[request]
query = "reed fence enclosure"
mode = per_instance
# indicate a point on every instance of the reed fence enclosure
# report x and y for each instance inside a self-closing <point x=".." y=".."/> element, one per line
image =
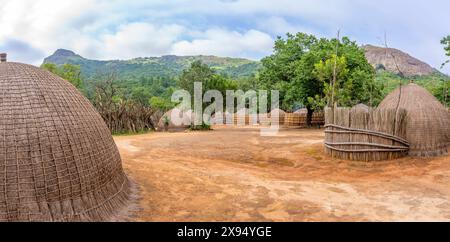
<point x="292" y="120"/>
<point x="366" y="135"/>
<point x="128" y="118"/>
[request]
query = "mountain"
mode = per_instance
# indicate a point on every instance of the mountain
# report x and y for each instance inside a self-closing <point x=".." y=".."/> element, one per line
<point x="388" y="59"/>
<point x="169" y="65"/>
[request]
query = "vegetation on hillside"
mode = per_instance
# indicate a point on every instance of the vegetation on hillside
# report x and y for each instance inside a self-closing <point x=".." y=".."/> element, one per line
<point x="309" y="72"/>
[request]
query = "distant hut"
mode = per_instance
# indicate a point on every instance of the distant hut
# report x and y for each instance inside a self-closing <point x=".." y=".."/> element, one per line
<point x="58" y="159"/>
<point x="281" y="116"/>
<point x="302" y="111"/>
<point x="220" y="118"/>
<point x="183" y="120"/>
<point x="427" y="121"/>
<point x="361" y="107"/>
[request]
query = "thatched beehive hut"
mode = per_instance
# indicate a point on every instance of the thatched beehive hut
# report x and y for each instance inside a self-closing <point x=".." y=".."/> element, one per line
<point x="302" y="111"/>
<point x="58" y="161"/>
<point x="281" y="114"/>
<point x="361" y="108"/>
<point x="427" y="121"/>
<point x="183" y="122"/>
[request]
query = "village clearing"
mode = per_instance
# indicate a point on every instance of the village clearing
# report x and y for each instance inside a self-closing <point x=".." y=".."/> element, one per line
<point x="234" y="174"/>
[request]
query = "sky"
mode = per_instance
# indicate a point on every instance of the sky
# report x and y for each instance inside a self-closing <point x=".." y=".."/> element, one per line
<point x="30" y="30"/>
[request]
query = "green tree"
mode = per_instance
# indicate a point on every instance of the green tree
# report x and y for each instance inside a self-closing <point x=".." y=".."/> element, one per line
<point x="446" y="42"/>
<point x="71" y="73"/>
<point x="199" y="72"/>
<point x="441" y="92"/>
<point x="300" y="68"/>
<point x="324" y="71"/>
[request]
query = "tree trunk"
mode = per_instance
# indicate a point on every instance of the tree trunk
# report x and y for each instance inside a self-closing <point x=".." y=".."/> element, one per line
<point x="309" y="117"/>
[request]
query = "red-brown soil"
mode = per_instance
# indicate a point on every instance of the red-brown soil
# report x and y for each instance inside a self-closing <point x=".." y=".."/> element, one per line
<point x="234" y="174"/>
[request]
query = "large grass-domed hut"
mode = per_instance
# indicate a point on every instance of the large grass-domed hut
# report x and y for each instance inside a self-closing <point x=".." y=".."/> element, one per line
<point x="58" y="160"/>
<point x="427" y="121"/>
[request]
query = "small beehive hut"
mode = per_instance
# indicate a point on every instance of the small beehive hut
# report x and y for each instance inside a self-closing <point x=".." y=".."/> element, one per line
<point x="427" y="121"/>
<point x="245" y="117"/>
<point x="277" y="116"/>
<point x="302" y="111"/>
<point x="184" y="119"/>
<point x="361" y="108"/>
<point x="58" y="161"/>
<point x="299" y="118"/>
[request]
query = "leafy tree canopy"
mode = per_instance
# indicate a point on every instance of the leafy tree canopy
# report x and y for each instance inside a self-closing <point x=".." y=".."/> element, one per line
<point x="301" y="68"/>
<point x="71" y="73"/>
<point x="446" y="42"/>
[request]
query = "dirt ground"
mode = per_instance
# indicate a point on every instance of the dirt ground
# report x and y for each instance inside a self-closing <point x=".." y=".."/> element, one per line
<point x="234" y="174"/>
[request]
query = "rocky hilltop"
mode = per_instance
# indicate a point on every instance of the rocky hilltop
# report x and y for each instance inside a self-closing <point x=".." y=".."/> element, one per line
<point x="381" y="58"/>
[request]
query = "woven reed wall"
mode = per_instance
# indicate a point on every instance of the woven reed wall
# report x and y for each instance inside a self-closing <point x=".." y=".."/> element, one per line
<point x="299" y="119"/>
<point x="245" y="120"/>
<point x="58" y="161"/>
<point x="365" y="135"/>
<point x="285" y="119"/>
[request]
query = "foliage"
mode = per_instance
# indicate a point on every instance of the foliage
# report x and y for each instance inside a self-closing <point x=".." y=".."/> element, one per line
<point x="446" y="42"/>
<point x="301" y="68"/>
<point x="210" y="80"/>
<point x="324" y="70"/>
<point x="441" y="92"/>
<point x="203" y="127"/>
<point x="434" y="83"/>
<point x="71" y="73"/>
<point x="121" y="114"/>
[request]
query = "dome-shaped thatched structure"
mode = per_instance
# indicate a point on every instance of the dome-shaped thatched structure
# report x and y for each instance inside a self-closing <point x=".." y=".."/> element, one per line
<point x="427" y="124"/>
<point x="281" y="116"/>
<point x="58" y="161"/>
<point x="302" y="111"/>
<point x="360" y="108"/>
<point x="183" y="122"/>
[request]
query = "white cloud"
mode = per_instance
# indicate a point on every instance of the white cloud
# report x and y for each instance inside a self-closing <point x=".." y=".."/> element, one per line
<point x="139" y="39"/>
<point x="227" y="43"/>
<point x="111" y="29"/>
<point x="279" y="26"/>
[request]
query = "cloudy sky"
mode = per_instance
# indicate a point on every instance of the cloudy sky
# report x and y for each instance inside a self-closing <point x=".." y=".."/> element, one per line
<point x="123" y="29"/>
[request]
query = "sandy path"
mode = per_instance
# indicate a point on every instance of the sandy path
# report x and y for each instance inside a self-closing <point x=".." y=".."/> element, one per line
<point x="237" y="175"/>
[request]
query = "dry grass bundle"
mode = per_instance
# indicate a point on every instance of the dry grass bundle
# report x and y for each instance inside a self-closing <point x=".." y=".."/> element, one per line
<point x="428" y="122"/>
<point x="58" y="161"/>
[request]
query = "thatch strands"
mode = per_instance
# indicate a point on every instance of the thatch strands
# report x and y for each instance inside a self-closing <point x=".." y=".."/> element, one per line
<point x="365" y="135"/>
<point x="58" y="161"/>
<point x="427" y="121"/>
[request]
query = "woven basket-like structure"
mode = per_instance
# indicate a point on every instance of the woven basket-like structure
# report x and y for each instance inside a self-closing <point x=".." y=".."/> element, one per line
<point x="427" y="124"/>
<point x="58" y="161"/>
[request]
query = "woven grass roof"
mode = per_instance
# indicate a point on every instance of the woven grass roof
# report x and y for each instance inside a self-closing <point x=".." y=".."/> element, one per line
<point x="58" y="161"/>
<point x="428" y="123"/>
